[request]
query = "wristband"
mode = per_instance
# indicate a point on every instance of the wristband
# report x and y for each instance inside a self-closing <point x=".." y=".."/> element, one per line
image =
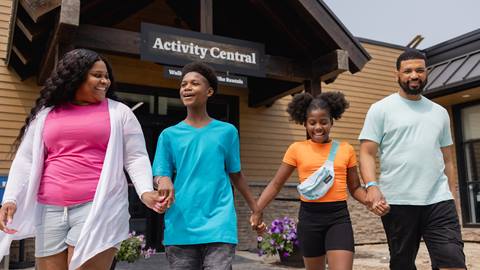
<point x="371" y="184"/>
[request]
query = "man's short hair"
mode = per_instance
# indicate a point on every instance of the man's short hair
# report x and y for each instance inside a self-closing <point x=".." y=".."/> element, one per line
<point x="205" y="70"/>
<point x="410" y="54"/>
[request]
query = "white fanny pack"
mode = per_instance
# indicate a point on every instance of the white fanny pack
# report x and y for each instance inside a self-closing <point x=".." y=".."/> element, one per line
<point x="318" y="183"/>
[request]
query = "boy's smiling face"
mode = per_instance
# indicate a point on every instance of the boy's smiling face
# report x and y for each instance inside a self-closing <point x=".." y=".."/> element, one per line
<point x="195" y="90"/>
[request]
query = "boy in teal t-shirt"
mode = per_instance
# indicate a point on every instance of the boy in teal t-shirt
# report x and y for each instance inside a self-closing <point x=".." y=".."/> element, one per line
<point x="204" y="155"/>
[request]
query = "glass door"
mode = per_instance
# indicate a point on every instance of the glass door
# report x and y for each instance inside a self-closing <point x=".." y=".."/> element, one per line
<point x="471" y="148"/>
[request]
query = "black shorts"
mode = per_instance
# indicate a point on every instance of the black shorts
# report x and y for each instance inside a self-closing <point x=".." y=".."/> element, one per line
<point x="323" y="227"/>
<point x="437" y="223"/>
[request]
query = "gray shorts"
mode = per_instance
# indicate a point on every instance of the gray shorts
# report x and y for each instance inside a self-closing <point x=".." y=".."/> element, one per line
<point x="211" y="256"/>
<point x="59" y="227"/>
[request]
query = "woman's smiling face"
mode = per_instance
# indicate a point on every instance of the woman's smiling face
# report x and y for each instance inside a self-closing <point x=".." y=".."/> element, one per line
<point x="95" y="86"/>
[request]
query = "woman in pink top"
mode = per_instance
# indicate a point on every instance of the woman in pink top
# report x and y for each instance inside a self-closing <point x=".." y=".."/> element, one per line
<point x="67" y="185"/>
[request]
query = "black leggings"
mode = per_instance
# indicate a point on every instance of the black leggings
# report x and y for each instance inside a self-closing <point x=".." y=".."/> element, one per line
<point x="323" y="227"/>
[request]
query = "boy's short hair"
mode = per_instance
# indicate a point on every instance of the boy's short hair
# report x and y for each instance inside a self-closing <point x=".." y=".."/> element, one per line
<point x="410" y="54"/>
<point x="204" y="70"/>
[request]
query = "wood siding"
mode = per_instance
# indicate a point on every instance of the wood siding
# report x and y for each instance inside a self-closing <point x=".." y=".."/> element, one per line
<point x="16" y="97"/>
<point x="266" y="133"/>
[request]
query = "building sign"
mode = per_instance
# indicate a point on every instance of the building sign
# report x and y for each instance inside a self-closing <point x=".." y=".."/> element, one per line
<point x="175" y="46"/>
<point x="225" y="79"/>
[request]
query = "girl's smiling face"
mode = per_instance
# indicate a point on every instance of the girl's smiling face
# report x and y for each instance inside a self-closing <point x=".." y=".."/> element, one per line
<point x="318" y="125"/>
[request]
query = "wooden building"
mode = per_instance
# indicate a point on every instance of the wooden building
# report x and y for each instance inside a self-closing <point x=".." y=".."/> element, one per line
<point x="264" y="52"/>
<point x="302" y="46"/>
<point x="454" y="82"/>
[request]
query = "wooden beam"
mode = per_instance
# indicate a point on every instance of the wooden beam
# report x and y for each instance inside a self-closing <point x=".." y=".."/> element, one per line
<point x="284" y="68"/>
<point x="61" y="39"/>
<point x="325" y="19"/>
<point x="23" y="71"/>
<point x="37" y="9"/>
<point x="128" y="43"/>
<point x="313" y="86"/>
<point x="206" y="16"/>
<point x="280" y="23"/>
<point x="264" y="92"/>
<point x="108" y="39"/>
<point x="110" y="12"/>
<point x="23" y="58"/>
<point x="329" y="66"/>
<point x="31" y="31"/>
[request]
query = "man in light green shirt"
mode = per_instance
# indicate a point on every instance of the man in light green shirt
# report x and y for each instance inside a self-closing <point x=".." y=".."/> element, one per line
<point x="416" y="172"/>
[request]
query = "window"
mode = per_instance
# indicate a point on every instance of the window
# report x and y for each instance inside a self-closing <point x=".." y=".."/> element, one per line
<point x="471" y="154"/>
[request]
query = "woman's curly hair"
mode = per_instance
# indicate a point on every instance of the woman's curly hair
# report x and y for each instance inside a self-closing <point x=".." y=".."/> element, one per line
<point x="64" y="81"/>
<point x="303" y="103"/>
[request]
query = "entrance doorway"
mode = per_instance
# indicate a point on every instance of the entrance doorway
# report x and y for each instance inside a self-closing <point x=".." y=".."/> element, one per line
<point x="162" y="108"/>
<point x="469" y="173"/>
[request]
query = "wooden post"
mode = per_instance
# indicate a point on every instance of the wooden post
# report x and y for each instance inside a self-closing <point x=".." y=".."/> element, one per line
<point x="313" y="86"/>
<point x="62" y="38"/>
<point x="206" y="16"/>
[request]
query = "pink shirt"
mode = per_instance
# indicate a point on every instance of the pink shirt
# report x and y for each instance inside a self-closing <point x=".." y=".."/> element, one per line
<point x="76" y="139"/>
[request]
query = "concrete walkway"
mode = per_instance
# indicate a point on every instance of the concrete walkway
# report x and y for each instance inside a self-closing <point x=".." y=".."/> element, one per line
<point x="243" y="260"/>
<point x="367" y="257"/>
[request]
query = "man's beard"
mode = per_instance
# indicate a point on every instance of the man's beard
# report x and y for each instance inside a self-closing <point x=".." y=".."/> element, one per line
<point x="412" y="91"/>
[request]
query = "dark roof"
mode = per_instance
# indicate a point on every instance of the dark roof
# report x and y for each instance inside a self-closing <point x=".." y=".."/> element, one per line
<point x="453" y="47"/>
<point x="453" y="65"/>
<point x="454" y="75"/>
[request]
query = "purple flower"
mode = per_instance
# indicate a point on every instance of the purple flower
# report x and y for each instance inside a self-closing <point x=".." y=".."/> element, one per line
<point x="281" y="236"/>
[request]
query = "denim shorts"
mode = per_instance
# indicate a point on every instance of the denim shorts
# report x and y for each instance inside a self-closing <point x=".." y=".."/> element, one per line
<point x="59" y="227"/>
<point x="211" y="256"/>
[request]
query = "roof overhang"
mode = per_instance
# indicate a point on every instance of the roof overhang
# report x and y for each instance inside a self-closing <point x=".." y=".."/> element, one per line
<point x="305" y="43"/>
<point x="454" y="65"/>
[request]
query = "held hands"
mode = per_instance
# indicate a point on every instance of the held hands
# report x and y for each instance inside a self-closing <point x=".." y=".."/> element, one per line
<point x="166" y="191"/>
<point x="381" y="209"/>
<point x="6" y="216"/>
<point x="376" y="202"/>
<point x="257" y="223"/>
<point x="153" y="200"/>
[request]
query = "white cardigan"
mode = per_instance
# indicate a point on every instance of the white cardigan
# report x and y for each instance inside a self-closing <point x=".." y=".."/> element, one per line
<point x="108" y="221"/>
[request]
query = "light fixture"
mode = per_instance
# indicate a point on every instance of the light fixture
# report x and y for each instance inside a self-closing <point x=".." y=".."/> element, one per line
<point x="466" y="96"/>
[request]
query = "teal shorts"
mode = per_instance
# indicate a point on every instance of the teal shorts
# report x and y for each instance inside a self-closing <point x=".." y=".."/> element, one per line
<point x="59" y="227"/>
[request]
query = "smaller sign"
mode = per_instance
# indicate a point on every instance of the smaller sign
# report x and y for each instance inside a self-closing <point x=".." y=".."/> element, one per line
<point x="223" y="78"/>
